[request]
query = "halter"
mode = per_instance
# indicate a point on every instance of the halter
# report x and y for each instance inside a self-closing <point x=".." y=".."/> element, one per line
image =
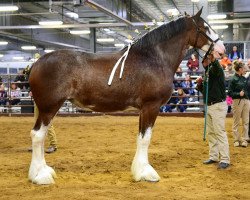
<point x="198" y="32"/>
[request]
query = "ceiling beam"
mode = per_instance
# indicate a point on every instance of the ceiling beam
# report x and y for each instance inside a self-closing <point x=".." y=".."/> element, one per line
<point x="108" y="12"/>
<point x="231" y="21"/>
<point x="64" y="26"/>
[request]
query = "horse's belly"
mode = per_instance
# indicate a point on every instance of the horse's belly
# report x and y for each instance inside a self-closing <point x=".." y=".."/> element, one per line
<point x="102" y="106"/>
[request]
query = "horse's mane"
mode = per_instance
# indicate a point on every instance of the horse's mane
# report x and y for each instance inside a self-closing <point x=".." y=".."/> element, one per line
<point x="161" y="33"/>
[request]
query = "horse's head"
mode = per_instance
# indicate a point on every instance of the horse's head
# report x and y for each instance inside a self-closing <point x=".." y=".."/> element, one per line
<point x="204" y="37"/>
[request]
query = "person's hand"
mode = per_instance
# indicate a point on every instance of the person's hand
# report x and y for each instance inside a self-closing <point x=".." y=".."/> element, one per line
<point x="242" y="93"/>
<point x="199" y="80"/>
<point x="216" y="55"/>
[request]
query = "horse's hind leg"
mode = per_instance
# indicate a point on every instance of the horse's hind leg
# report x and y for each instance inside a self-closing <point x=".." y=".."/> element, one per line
<point x="141" y="169"/>
<point x="40" y="172"/>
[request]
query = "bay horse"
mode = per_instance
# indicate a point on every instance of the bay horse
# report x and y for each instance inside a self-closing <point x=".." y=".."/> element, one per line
<point x="82" y="78"/>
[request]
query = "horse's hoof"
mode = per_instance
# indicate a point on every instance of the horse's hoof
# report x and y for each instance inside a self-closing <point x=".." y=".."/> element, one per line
<point x="146" y="173"/>
<point x="44" y="176"/>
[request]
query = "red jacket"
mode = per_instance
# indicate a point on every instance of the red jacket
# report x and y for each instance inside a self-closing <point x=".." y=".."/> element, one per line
<point x="193" y="64"/>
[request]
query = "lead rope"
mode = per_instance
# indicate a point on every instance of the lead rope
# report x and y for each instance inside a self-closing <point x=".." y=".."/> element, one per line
<point x="125" y="55"/>
<point x="205" y="126"/>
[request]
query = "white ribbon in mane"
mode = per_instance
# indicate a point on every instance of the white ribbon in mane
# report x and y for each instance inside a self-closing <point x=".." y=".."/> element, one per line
<point x="125" y="55"/>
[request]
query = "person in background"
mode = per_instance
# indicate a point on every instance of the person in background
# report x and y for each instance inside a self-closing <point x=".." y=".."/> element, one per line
<point x="20" y="79"/>
<point x="225" y="61"/>
<point x="181" y="101"/>
<point x="235" y="54"/>
<point x="188" y="85"/>
<point x="171" y="104"/>
<point x="15" y="95"/>
<point x="179" y="72"/>
<point x="229" y="101"/>
<point x="3" y="95"/>
<point x="193" y="64"/>
<point x="238" y="91"/>
<point x="216" y="112"/>
<point x="248" y="92"/>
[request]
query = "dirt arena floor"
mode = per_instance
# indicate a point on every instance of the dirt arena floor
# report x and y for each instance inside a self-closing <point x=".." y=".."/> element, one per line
<point x="95" y="154"/>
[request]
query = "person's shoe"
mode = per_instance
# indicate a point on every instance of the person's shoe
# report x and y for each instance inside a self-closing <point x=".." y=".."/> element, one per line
<point x="244" y="144"/>
<point x="223" y="165"/>
<point x="236" y="144"/>
<point x="51" y="149"/>
<point x="209" y="161"/>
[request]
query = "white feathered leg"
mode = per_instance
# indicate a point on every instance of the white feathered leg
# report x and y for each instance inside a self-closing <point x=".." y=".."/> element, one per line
<point x="39" y="172"/>
<point x="141" y="169"/>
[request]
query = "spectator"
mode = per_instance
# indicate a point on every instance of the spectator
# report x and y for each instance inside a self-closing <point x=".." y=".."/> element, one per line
<point x="248" y="92"/>
<point x="181" y="101"/>
<point x="235" y="54"/>
<point x="188" y="85"/>
<point x="229" y="101"/>
<point x="179" y="72"/>
<point x="225" y="61"/>
<point x="193" y="64"/>
<point x="171" y="104"/>
<point x="15" y="93"/>
<point x="19" y="79"/>
<point x="238" y="91"/>
<point x="178" y="83"/>
<point x="3" y="95"/>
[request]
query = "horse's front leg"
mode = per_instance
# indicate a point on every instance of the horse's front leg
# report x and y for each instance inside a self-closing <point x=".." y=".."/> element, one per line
<point x="141" y="169"/>
<point x="40" y="172"/>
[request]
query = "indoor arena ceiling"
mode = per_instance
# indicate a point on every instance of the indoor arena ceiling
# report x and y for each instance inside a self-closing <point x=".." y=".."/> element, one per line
<point x="114" y="19"/>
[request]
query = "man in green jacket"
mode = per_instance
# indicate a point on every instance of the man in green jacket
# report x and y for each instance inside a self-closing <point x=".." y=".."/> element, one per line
<point x="216" y="113"/>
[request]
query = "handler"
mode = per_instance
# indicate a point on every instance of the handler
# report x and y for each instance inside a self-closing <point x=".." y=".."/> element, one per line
<point x="216" y="112"/>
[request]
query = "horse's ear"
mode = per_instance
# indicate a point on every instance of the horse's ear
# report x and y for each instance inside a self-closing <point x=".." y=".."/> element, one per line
<point x="198" y="14"/>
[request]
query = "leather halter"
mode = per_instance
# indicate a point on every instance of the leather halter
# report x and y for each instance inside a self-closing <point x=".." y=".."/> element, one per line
<point x="198" y="32"/>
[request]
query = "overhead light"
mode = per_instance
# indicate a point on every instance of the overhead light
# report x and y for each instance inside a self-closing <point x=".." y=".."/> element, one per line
<point x="173" y="12"/>
<point x="195" y="1"/>
<point x="47" y="23"/>
<point x="28" y="47"/>
<point x="105" y="40"/>
<point x="8" y="8"/>
<point x="48" y="50"/>
<point x="216" y="27"/>
<point x="107" y="30"/>
<point x="79" y="32"/>
<point x="119" y="45"/>
<point x="3" y="43"/>
<point x="18" y="58"/>
<point x="128" y="41"/>
<point x="213" y="0"/>
<point x="72" y="15"/>
<point x="160" y="23"/>
<point x="217" y="16"/>
<point x="1" y="55"/>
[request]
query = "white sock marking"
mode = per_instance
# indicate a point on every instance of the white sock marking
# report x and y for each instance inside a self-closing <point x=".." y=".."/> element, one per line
<point x="141" y="169"/>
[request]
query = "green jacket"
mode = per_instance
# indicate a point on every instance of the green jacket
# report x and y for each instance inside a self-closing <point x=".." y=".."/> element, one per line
<point x="216" y="83"/>
<point x="236" y="85"/>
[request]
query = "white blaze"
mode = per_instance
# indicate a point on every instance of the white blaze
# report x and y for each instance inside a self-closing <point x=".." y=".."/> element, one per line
<point x="218" y="46"/>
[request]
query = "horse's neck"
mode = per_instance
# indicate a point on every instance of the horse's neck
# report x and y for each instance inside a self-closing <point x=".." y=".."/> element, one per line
<point x="173" y="52"/>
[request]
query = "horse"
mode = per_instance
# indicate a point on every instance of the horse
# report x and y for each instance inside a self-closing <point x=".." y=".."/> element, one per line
<point x="146" y="84"/>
